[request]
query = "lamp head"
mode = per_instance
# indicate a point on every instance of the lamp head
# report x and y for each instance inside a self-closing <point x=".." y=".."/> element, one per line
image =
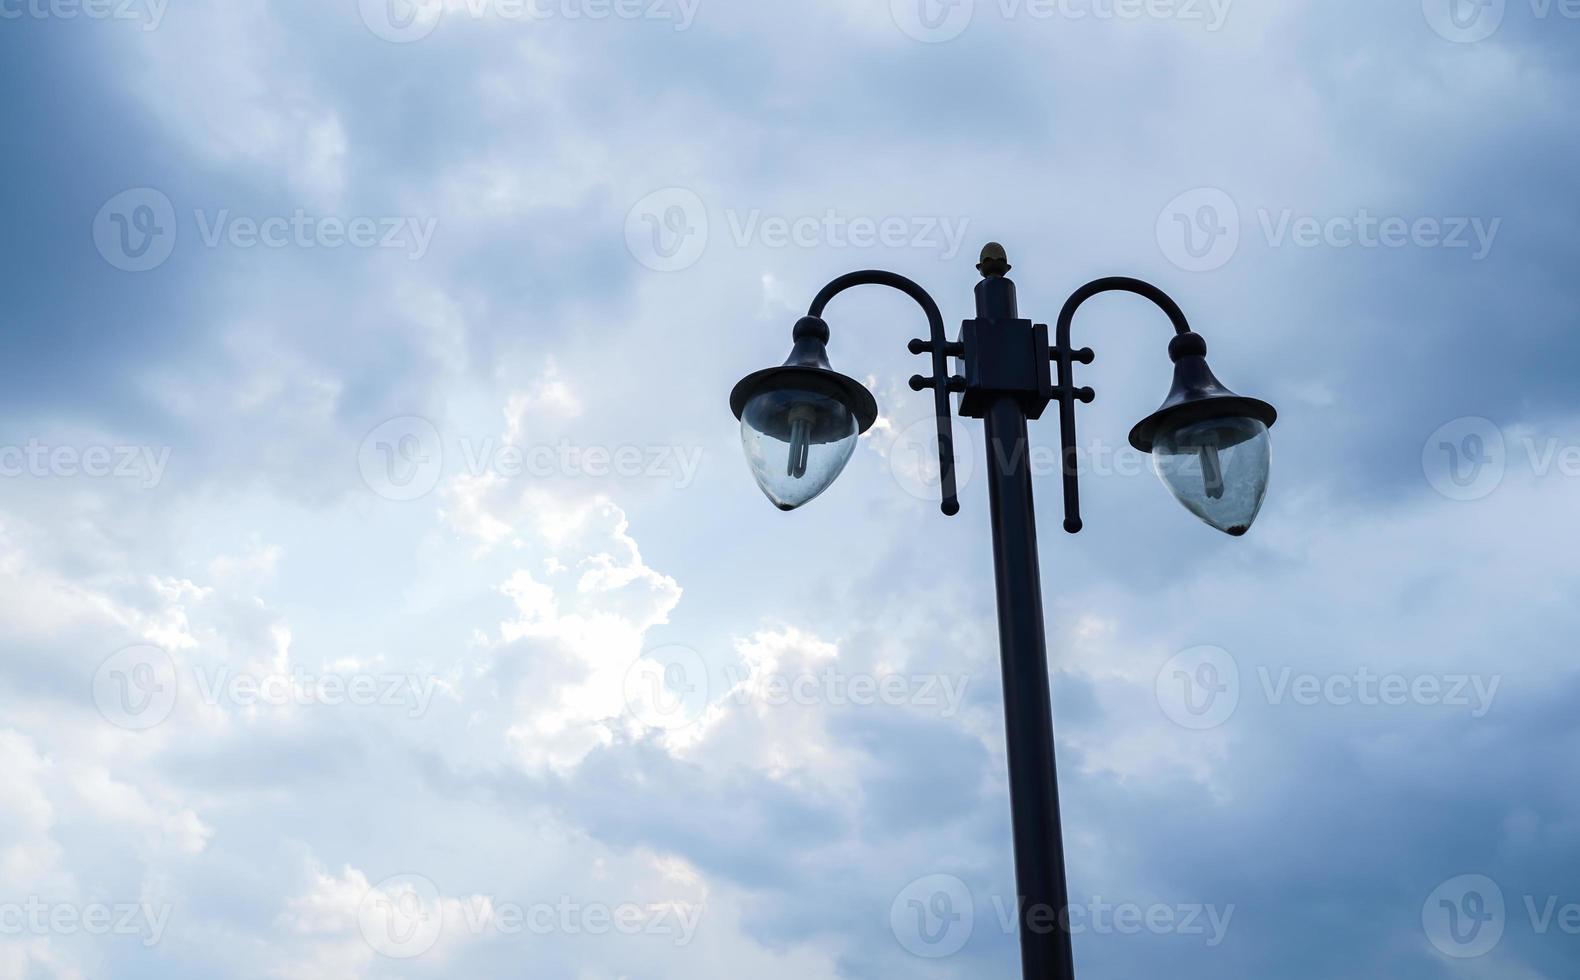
<point x="800" y="421"/>
<point x="1209" y="445"/>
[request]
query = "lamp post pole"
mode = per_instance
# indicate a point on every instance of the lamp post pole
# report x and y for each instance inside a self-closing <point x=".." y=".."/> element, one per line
<point x="1043" y="915"/>
<point x="800" y="422"/>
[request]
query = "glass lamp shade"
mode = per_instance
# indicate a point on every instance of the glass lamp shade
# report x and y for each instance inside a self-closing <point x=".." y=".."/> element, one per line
<point x="1209" y="445"/>
<point x="796" y="443"/>
<point x="800" y="421"/>
<point x="1217" y="468"/>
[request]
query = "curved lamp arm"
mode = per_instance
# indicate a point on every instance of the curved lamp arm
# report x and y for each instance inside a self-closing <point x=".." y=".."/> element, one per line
<point x="1065" y="355"/>
<point x="939" y="346"/>
<point x="1119" y="284"/>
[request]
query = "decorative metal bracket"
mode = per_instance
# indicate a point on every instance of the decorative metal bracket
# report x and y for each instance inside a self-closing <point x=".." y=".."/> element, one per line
<point x="1066" y="357"/>
<point x="939" y="346"/>
<point x="1006" y="356"/>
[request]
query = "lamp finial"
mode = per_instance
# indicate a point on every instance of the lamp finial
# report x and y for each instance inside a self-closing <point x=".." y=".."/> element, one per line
<point x="994" y="262"/>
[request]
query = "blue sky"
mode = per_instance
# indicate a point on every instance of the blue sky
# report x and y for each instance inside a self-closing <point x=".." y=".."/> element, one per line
<point x="386" y="594"/>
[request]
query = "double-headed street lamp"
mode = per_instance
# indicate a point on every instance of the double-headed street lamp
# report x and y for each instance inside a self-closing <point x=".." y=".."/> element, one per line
<point x="800" y="422"/>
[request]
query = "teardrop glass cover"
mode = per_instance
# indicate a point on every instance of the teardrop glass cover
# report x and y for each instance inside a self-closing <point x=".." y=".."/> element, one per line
<point x="797" y="442"/>
<point x="1217" y="468"/>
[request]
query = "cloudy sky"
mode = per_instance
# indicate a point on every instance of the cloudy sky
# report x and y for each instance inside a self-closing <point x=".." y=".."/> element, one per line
<point x="385" y="593"/>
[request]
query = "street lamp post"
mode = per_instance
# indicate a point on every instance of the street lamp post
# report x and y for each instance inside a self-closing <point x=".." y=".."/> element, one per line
<point x="800" y="422"/>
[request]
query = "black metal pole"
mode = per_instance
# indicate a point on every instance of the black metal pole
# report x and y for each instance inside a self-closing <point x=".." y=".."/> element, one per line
<point x="1028" y="712"/>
